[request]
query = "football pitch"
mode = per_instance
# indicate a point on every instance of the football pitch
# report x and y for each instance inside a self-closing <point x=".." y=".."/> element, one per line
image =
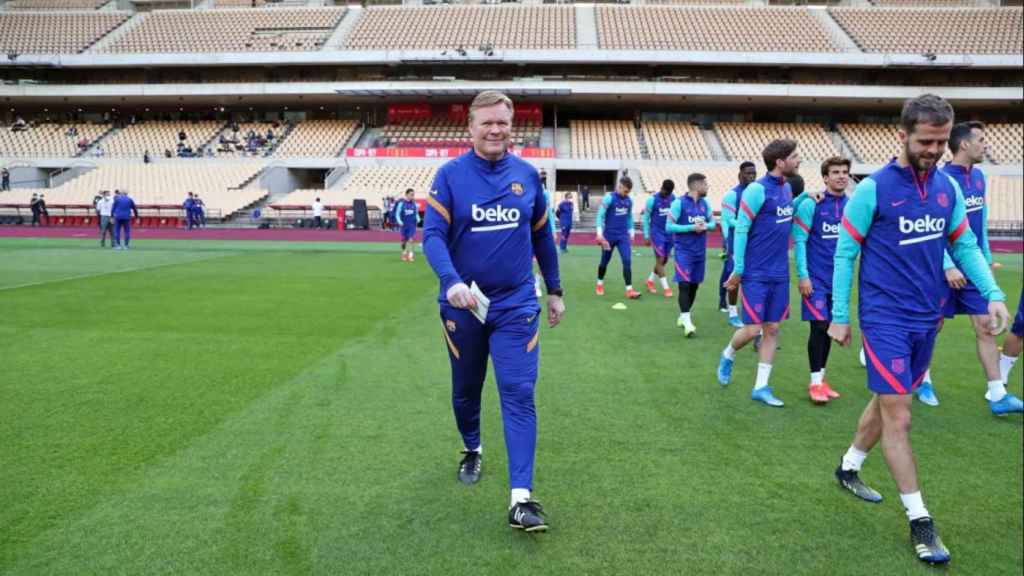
<point x="224" y="408"/>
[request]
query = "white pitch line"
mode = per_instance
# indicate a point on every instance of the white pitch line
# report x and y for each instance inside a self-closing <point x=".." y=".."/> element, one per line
<point x="97" y="274"/>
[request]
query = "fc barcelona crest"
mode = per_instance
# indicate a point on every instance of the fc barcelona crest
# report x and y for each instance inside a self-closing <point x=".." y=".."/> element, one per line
<point x="898" y="365"/>
<point x="943" y="200"/>
<point x="517" y="188"/>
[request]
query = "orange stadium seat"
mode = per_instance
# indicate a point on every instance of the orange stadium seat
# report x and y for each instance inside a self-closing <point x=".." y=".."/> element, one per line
<point x="935" y="30"/>
<point x="55" y="33"/>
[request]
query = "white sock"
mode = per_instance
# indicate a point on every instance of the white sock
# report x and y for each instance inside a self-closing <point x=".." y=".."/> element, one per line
<point x="817" y="378"/>
<point x="1005" y="365"/>
<point x="914" y="505"/>
<point x="479" y="449"/>
<point x="928" y="375"/>
<point x="664" y="283"/>
<point x="652" y="277"/>
<point x="685" y="316"/>
<point x="733" y="311"/>
<point x="600" y="282"/>
<point x="996" y="390"/>
<point x="629" y="287"/>
<point x="853" y="459"/>
<point x="763" y="372"/>
<point x="518" y="495"/>
<point x="729" y="353"/>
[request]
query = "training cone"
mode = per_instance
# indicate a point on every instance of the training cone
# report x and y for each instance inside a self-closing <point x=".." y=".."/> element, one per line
<point x="618" y="306"/>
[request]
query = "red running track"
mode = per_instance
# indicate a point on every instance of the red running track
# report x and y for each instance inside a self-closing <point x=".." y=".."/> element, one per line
<point x="1013" y="246"/>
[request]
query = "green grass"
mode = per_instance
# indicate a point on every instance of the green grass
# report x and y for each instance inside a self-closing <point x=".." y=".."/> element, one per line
<point x="259" y="408"/>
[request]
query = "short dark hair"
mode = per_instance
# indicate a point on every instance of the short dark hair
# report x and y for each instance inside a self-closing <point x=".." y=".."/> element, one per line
<point x="668" y="185"/>
<point x="777" y="150"/>
<point x="796" y="184"/>
<point x="925" y="109"/>
<point x="407" y="190"/>
<point x="834" y="161"/>
<point x="626" y="181"/>
<point x="746" y="164"/>
<point x="317" y="198"/>
<point x="963" y="131"/>
<point x="694" y="178"/>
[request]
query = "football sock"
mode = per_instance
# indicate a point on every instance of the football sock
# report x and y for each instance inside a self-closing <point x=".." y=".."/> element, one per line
<point x="996" y="390"/>
<point x="853" y="459"/>
<point x="817" y="378"/>
<point x="733" y="311"/>
<point x="928" y="375"/>
<point x="763" y="372"/>
<point x="518" y="495"/>
<point x="914" y="505"/>
<point x="1005" y="365"/>
<point x="664" y="283"/>
<point x="729" y="353"/>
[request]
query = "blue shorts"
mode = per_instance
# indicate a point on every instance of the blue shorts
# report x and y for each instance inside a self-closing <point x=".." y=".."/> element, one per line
<point x="408" y="233"/>
<point x="689" y="269"/>
<point x="897" y="358"/>
<point x="967" y="300"/>
<point x="1018" y="320"/>
<point x="817" y="307"/>
<point x="625" y="251"/>
<point x="764" y="300"/>
<point x="662" y="246"/>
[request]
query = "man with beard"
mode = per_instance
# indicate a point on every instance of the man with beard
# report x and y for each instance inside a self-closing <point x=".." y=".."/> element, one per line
<point x="899" y="222"/>
<point x="761" y="264"/>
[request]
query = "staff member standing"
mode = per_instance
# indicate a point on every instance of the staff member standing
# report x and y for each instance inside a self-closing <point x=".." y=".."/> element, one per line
<point x="122" y="210"/>
<point x="104" y="208"/>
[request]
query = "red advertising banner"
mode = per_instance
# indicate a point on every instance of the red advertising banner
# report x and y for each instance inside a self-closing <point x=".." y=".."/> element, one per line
<point x="437" y="152"/>
<point x="398" y="113"/>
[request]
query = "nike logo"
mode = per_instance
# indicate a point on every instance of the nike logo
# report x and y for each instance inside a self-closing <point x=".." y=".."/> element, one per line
<point x="900" y="203"/>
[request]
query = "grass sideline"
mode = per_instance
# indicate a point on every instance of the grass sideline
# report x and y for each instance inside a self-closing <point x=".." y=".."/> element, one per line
<point x="198" y="407"/>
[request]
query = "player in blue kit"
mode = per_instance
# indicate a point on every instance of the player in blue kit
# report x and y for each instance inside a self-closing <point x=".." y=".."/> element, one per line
<point x="655" y="215"/>
<point x="1013" y="343"/>
<point x="816" y="231"/>
<point x="727" y="298"/>
<point x="900" y="221"/>
<point x="761" y="264"/>
<point x="485" y="207"/>
<point x="968" y="144"/>
<point x="564" y="215"/>
<point x="407" y="216"/>
<point x="614" y="229"/>
<point x="690" y="219"/>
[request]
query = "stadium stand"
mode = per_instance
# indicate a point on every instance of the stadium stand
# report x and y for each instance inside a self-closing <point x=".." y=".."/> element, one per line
<point x="745" y="141"/>
<point x="442" y="132"/>
<point x="55" y="33"/>
<point x="875" y="143"/>
<point x="54" y="4"/>
<point x="229" y="141"/>
<point x="603" y="139"/>
<point x="720" y="180"/>
<point x="50" y="139"/>
<point x="316" y="138"/>
<point x="160" y="136"/>
<point x="231" y="30"/>
<point x="923" y="3"/>
<point x="468" y="27"/>
<point x="1006" y="142"/>
<point x="935" y="30"/>
<point x="157" y="184"/>
<point x="1006" y="204"/>
<point x="675" y="141"/>
<point x="711" y="28"/>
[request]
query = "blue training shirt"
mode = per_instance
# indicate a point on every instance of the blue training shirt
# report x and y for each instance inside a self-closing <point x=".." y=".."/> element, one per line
<point x="900" y="224"/>
<point x="816" y="233"/>
<point x="763" y="226"/>
<point x="615" y="216"/>
<point x="728" y="213"/>
<point x="407" y="214"/>
<point x="123" y="207"/>
<point x="684" y="215"/>
<point x="974" y="186"/>
<point x="485" y="221"/>
<point x="564" y="213"/>
<point x="656" y="213"/>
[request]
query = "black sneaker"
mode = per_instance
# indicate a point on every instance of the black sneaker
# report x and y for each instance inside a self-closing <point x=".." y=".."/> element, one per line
<point x="927" y="544"/>
<point x="469" y="468"/>
<point x="528" y="516"/>
<point x="851" y="481"/>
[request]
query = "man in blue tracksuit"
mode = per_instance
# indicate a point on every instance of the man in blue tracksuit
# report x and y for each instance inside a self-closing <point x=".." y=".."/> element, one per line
<point x="747" y="174"/>
<point x="761" y="264"/>
<point x="690" y="219"/>
<point x="189" y="206"/>
<point x="614" y="231"/>
<point x="564" y="214"/>
<point x="815" y="232"/>
<point x="407" y="216"/>
<point x="486" y="220"/>
<point x="900" y="221"/>
<point x="122" y="211"/>
<point x="656" y="213"/>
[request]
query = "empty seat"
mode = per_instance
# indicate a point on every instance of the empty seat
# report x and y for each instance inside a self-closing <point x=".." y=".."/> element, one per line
<point x="935" y="30"/>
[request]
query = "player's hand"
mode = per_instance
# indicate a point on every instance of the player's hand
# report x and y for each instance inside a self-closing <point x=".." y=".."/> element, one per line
<point x="733" y="282"/>
<point x="806" y="288"/>
<point x="996" y="265"/>
<point x="816" y="195"/>
<point x="700" y="227"/>
<point x="603" y="243"/>
<point x="459" y="296"/>
<point x="955" y="278"/>
<point x="840" y="333"/>
<point x="557" y="238"/>
<point x="998" y="317"/>
<point x="556" y="309"/>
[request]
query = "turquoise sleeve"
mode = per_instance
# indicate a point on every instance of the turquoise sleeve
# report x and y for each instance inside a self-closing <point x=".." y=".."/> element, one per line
<point x="728" y="214"/>
<point x="551" y="213"/>
<point x="599" y="223"/>
<point x="986" y="250"/>
<point x="711" y="216"/>
<point x="418" y="219"/>
<point x="968" y="254"/>
<point x="857" y="218"/>
<point x="398" y="212"/>
<point x="671" y="222"/>
<point x="801" y="233"/>
<point x="647" y="218"/>
<point x="750" y="204"/>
